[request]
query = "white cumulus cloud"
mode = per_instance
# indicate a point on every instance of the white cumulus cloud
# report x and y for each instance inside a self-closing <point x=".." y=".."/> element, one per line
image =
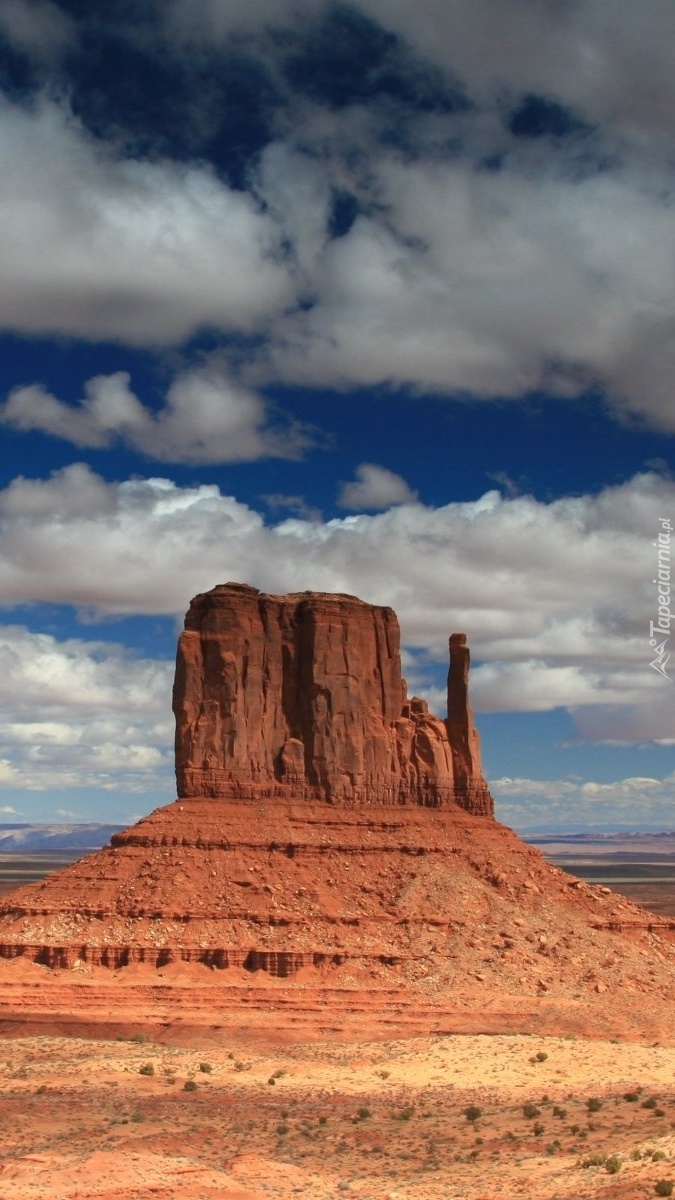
<point x="375" y="487"/>
<point x="206" y="418"/>
<point x="82" y="715"/>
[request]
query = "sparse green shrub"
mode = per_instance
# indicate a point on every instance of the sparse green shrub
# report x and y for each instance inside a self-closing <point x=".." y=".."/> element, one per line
<point x="659" y="1112"/>
<point x="406" y="1113"/>
<point x="323" y="1120"/>
<point x="651" y="1102"/>
<point x="658" y="1155"/>
<point x="138" y="1117"/>
<point x="363" y="1113"/>
<point x="282" y="1130"/>
<point x="664" y="1187"/>
<point x="272" y="1080"/>
<point x="631" y="1097"/>
<point x="541" y="1056"/>
<point x="189" y="1086"/>
<point x="593" y="1160"/>
<point x="140" y="1037"/>
<point x="612" y="1164"/>
<point x="146" y="1069"/>
<point x="537" y="1129"/>
<point x="473" y="1113"/>
<point x="205" y="1068"/>
<point x="594" y="1105"/>
<point x="559" y="1112"/>
<point x="531" y="1111"/>
<point x="41" y="1090"/>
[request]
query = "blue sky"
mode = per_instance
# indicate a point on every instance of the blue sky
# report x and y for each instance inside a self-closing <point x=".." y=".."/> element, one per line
<point x="361" y="297"/>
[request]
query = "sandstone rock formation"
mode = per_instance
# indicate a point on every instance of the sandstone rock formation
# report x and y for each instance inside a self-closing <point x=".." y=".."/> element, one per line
<point x="301" y="697"/>
<point x="332" y="842"/>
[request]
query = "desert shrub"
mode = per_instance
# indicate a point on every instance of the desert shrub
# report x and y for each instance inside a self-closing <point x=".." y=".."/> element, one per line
<point x="323" y="1120"/>
<point x="205" y="1068"/>
<point x="363" y="1113"/>
<point x="658" y="1155"/>
<point x="651" y="1102"/>
<point x="138" y="1117"/>
<point x="406" y="1113"/>
<point x="612" y="1164"/>
<point x="41" y="1090"/>
<point x="282" y="1130"/>
<point x="659" y="1112"/>
<point x="631" y="1097"/>
<point x="189" y="1086"/>
<point x="473" y="1113"/>
<point x="531" y="1111"/>
<point x="146" y="1069"/>
<point x="537" y="1129"/>
<point x="272" y="1080"/>
<point x="594" y="1105"/>
<point x="593" y="1160"/>
<point x="140" y="1037"/>
<point x="664" y="1187"/>
<point x="559" y="1112"/>
<point x="541" y="1056"/>
<point x="279" y="1073"/>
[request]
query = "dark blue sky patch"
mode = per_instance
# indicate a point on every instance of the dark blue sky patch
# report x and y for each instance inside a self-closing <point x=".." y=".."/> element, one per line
<point x="119" y="90"/>
<point x="538" y="117"/>
<point x="17" y="75"/>
<point x="344" y="211"/>
<point x="156" y="103"/>
<point x="347" y="59"/>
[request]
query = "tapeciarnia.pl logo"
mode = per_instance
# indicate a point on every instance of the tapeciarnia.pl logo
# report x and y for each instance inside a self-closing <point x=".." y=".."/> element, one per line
<point x="662" y="581"/>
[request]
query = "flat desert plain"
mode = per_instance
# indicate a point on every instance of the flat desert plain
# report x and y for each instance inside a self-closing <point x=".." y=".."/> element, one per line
<point x="455" y="1116"/>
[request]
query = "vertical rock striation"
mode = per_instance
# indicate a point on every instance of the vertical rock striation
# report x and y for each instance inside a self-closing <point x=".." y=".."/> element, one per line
<point x="301" y="697"/>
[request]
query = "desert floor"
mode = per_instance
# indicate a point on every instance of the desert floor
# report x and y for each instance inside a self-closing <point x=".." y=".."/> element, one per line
<point x="476" y="1117"/>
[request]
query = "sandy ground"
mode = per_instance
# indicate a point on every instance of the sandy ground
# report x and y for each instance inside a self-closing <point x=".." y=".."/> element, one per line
<point x="367" y="1120"/>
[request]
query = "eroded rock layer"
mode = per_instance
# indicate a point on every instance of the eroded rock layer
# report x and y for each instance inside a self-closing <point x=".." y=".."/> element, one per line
<point x="301" y="697"/>
<point x="441" y="906"/>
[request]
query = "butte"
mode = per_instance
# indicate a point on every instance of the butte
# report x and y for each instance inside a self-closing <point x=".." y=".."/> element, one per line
<point x="332" y="863"/>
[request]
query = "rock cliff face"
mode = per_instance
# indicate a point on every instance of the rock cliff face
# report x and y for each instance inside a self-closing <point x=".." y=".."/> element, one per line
<point x="301" y="697"/>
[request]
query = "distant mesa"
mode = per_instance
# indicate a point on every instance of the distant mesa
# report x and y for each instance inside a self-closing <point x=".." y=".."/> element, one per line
<point x="301" y="697"/>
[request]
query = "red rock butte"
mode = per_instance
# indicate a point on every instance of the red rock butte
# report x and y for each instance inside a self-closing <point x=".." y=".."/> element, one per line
<point x="301" y="697"/>
<point x="332" y="856"/>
